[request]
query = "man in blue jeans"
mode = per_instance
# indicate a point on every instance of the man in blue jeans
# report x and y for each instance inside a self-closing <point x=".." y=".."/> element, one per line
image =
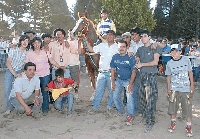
<point x="123" y="66"/>
<point x="106" y="50"/>
<point x="26" y="90"/>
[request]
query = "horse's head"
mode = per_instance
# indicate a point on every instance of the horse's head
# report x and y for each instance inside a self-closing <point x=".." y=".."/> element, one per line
<point x="82" y="25"/>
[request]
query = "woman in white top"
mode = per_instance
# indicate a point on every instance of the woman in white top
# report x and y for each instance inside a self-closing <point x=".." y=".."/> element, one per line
<point x="15" y="62"/>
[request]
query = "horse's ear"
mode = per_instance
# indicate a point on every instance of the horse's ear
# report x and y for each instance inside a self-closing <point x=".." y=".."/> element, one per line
<point x="86" y="14"/>
<point x="79" y="16"/>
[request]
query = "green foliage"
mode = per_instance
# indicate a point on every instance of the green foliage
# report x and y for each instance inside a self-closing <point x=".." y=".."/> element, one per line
<point x="177" y="19"/>
<point x="127" y="14"/>
<point x="91" y="6"/>
<point x="4" y="29"/>
<point x="40" y="13"/>
<point x="15" y="10"/>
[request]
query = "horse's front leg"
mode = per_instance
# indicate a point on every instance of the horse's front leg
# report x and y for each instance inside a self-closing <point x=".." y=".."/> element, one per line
<point x="92" y="81"/>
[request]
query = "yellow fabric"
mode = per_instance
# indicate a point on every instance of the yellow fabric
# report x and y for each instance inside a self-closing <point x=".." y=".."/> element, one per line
<point x="112" y="27"/>
<point x="56" y="92"/>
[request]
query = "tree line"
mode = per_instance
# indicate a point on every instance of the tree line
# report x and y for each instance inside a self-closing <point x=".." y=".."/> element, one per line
<point x="170" y="18"/>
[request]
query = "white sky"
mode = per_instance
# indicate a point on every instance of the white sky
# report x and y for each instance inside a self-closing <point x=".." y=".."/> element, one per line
<point x="70" y="3"/>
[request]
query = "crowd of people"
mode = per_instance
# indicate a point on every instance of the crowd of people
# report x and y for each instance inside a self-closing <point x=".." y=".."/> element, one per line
<point x="128" y="63"/>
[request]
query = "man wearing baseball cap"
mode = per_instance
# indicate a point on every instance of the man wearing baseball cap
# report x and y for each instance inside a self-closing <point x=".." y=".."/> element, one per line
<point x="106" y="50"/>
<point x="180" y="88"/>
<point x="105" y="25"/>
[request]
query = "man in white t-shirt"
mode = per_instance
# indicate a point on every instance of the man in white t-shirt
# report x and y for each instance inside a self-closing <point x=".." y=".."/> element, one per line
<point x="26" y="90"/>
<point x="106" y="50"/>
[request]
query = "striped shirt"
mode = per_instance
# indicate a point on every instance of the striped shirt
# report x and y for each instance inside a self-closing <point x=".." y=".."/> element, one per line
<point x="104" y="26"/>
<point x="18" y="58"/>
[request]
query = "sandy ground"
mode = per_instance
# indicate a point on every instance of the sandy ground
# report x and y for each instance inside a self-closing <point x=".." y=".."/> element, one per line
<point x="82" y="125"/>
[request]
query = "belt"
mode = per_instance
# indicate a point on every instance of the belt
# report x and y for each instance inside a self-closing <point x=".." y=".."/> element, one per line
<point x="104" y="71"/>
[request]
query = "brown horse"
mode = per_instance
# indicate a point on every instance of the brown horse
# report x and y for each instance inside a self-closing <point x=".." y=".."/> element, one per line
<point x="85" y="27"/>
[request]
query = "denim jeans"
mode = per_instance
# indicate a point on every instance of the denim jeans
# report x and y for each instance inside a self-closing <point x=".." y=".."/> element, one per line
<point x="135" y="97"/>
<point x="43" y="83"/>
<point x="8" y="83"/>
<point x="125" y="97"/>
<point x="66" y="74"/>
<point x="61" y="101"/>
<point x="20" y="109"/>
<point x="119" y="85"/>
<point x="196" y="71"/>
<point x="103" y="80"/>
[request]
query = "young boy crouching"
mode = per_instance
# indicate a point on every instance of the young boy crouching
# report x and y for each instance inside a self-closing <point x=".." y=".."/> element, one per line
<point x="66" y="97"/>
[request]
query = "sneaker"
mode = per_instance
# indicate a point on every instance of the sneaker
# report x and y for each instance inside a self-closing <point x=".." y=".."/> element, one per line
<point x="45" y="113"/>
<point x="92" y="111"/>
<point x="92" y="97"/>
<point x="109" y="111"/>
<point x="76" y="97"/>
<point x="148" y="127"/>
<point x="6" y="113"/>
<point x="129" y="120"/>
<point x="69" y="115"/>
<point x="189" y="131"/>
<point x="172" y="126"/>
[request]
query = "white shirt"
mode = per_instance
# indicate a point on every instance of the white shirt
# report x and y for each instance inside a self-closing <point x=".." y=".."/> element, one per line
<point x="15" y="41"/>
<point x="24" y="86"/>
<point x="106" y="53"/>
<point x="18" y="58"/>
<point x="74" y="55"/>
<point x="137" y="45"/>
<point x="3" y="44"/>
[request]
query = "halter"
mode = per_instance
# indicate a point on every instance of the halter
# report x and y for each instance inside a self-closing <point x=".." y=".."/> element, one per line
<point x="85" y="28"/>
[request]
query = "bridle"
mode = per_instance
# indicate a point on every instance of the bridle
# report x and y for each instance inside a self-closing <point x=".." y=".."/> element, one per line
<point x="85" y="29"/>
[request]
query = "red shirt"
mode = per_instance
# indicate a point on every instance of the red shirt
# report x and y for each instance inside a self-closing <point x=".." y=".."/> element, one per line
<point x="66" y="82"/>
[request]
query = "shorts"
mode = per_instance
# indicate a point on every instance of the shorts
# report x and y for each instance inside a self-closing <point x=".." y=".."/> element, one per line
<point x="186" y="104"/>
<point x="75" y="73"/>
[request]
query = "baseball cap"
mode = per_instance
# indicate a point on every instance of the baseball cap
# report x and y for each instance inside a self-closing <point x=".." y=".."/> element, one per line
<point x="128" y="34"/>
<point x="175" y="47"/>
<point x="111" y="31"/>
<point x="29" y="31"/>
<point x="104" y="11"/>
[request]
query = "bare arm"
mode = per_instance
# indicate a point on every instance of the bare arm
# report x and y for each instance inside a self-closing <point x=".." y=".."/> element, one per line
<point x="133" y="75"/>
<point x="168" y="85"/>
<point x="36" y="100"/>
<point x="8" y="64"/>
<point x="53" y="62"/>
<point x="137" y="60"/>
<point x="152" y="63"/>
<point x="112" y="78"/>
<point x="67" y="44"/>
<point x="191" y="81"/>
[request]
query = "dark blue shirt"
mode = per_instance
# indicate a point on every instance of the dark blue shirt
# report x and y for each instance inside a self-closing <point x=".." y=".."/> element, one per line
<point x="123" y="65"/>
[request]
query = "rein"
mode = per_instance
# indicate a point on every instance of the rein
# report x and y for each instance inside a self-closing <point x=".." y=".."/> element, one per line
<point x="88" y="53"/>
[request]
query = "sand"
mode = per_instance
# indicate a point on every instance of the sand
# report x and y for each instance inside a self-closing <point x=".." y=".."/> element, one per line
<point x="83" y="125"/>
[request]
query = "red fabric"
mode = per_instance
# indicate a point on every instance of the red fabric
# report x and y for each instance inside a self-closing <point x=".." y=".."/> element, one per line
<point x="66" y="81"/>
